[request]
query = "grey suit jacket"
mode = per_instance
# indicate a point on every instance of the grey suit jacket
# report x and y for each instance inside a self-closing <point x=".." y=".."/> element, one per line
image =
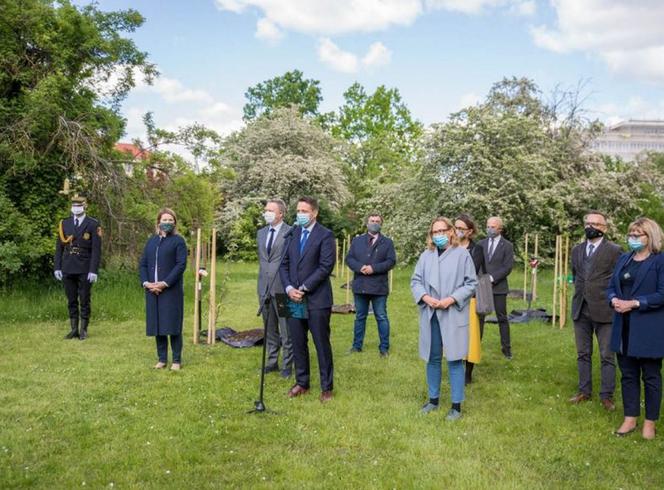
<point x="500" y="264"/>
<point x="268" y="266"/>
<point x="592" y="279"/>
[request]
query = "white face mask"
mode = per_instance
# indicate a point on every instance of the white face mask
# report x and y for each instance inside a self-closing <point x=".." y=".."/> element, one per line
<point x="269" y="216"/>
<point x="77" y="210"/>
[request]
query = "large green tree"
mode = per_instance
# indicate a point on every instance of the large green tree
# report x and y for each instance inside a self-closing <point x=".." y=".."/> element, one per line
<point x="56" y="121"/>
<point x="289" y="89"/>
<point x="280" y="155"/>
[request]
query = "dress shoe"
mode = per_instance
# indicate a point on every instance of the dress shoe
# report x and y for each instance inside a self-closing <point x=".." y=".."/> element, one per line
<point x="354" y="350"/>
<point x="176" y="366"/>
<point x="453" y="414"/>
<point x="608" y="404"/>
<point x="429" y="407"/>
<point x="270" y="369"/>
<point x="578" y="398"/>
<point x="384" y="353"/>
<point x="160" y="365"/>
<point x="325" y="396"/>
<point x="297" y="390"/>
<point x="623" y="434"/>
<point x="286" y="373"/>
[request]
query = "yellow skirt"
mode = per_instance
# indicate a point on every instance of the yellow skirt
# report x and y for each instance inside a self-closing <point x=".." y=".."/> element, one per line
<point x="474" y="341"/>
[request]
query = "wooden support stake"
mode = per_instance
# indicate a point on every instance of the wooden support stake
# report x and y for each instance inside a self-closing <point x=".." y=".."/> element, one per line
<point x="525" y="267"/>
<point x="536" y="255"/>
<point x="563" y="317"/>
<point x="197" y="287"/>
<point x="343" y="255"/>
<point x="347" y="270"/>
<point x="336" y="264"/>
<point x="212" y="315"/>
<point x="391" y="279"/>
<point x="555" y="282"/>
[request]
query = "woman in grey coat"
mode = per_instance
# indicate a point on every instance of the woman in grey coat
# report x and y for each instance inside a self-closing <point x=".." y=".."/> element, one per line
<point x="442" y="285"/>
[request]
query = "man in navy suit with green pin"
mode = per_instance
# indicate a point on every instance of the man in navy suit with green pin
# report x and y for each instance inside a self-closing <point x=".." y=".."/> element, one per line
<point x="305" y="274"/>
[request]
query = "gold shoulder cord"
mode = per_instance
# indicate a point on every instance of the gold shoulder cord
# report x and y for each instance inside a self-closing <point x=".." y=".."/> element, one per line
<point x="62" y="235"/>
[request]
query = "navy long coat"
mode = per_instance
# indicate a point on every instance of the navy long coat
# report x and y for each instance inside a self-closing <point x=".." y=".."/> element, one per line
<point x="164" y="312"/>
<point x="646" y="324"/>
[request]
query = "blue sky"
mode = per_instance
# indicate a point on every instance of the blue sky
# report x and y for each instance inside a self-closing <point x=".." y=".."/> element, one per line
<point x="440" y="54"/>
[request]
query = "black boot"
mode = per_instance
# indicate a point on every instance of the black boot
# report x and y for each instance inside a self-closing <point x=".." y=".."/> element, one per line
<point x="84" y="328"/>
<point x="469" y="372"/>
<point x="74" y="329"/>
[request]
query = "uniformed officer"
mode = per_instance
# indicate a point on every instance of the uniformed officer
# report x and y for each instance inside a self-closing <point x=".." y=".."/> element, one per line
<point x="77" y="256"/>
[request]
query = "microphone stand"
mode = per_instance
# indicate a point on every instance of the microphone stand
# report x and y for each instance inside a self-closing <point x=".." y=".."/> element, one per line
<point x="259" y="405"/>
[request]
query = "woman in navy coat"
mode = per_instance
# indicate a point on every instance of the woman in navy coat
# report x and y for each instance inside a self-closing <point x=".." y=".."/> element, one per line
<point x="636" y="293"/>
<point x="162" y="266"/>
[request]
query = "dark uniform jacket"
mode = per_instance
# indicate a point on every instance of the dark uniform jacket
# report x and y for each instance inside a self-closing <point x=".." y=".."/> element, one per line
<point x="78" y="249"/>
<point x="500" y="264"/>
<point x="380" y="256"/>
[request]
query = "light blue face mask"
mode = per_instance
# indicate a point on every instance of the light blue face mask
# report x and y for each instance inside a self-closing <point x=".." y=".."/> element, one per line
<point x="303" y="219"/>
<point x="440" y="241"/>
<point x="635" y="244"/>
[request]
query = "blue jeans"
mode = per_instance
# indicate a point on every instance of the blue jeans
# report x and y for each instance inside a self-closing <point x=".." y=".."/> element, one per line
<point x="176" y="347"/>
<point x="379" y="304"/>
<point x="435" y="371"/>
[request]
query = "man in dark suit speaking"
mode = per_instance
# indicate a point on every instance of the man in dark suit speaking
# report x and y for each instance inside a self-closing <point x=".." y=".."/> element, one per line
<point x="499" y="259"/>
<point x="305" y="274"/>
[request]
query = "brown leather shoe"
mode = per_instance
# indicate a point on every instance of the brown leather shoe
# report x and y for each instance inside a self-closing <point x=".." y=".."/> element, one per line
<point x="325" y="396"/>
<point x="297" y="390"/>
<point x="608" y="404"/>
<point x="578" y="398"/>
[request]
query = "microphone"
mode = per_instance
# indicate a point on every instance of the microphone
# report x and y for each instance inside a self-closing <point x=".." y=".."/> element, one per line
<point x="291" y="231"/>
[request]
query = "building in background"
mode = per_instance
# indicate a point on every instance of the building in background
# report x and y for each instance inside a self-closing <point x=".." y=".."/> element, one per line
<point x="627" y="139"/>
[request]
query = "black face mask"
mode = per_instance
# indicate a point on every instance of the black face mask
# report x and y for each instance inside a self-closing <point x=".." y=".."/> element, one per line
<point x="592" y="233"/>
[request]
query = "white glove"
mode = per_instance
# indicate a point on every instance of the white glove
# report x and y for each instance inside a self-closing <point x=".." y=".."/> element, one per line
<point x="92" y="277"/>
<point x="58" y="275"/>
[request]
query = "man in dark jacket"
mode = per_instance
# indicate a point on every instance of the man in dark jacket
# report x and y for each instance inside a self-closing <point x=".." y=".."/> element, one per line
<point x="499" y="259"/>
<point x="593" y="262"/>
<point x="77" y="257"/>
<point x="370" y="257"/>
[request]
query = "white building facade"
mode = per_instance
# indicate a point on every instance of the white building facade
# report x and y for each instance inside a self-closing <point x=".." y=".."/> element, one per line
<point x="628" y="139"/>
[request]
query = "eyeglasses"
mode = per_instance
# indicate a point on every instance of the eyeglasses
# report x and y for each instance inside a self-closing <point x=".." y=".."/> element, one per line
<point x="436" y="232"/>
<point x="635" y="236"/>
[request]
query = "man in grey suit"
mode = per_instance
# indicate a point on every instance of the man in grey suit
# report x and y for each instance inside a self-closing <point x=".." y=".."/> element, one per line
<point x="270" y="240"/>
<point x="499" y="259"/>
<point x="593" y="262"/>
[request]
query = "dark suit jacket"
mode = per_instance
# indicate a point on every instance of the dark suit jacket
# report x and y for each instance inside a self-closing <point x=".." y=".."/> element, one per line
<point x="164" y="313"/>
<point x="592" y="279"/>
<point x="268" y="265"/>
<point x="381" y="257"/>
<point x="313" y="268"/>
<point x="82" y="251"/>
<point x="500" y="264"/>
<point x="646" y="335"/>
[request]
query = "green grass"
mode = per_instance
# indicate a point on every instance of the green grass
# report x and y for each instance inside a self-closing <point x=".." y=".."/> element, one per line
<point x="94" y="413"/>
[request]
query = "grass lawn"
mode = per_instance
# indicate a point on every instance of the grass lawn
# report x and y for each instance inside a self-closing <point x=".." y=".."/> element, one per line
<point x="94" y="414"/>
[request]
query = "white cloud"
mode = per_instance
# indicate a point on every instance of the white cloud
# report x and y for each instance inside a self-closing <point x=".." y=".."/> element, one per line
<point x="627" y="35"/>
<point x="634" y="108"/>
<point x="267" y="31"/>
<point x="336" y="58"/>
<point x="469" y="99"/>
<point x="473" y="7"/>
<point x="378" y="55"/>
<point x="173" y="90"/>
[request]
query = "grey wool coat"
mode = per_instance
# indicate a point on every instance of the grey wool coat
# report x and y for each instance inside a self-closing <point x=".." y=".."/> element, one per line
<point x="450" y="274"/>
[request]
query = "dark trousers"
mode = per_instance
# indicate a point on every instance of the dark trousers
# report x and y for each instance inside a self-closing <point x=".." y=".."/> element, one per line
<point x="176" y="347"/>
<point x="650" y="370"/>
<point x="277" y="338"/>
<point x="584" y="328"/>
<point x="319" y="325"/>
<point x="379" y="304"/>
<point x="77" y="289"/>
<point x="500" y="306"/>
